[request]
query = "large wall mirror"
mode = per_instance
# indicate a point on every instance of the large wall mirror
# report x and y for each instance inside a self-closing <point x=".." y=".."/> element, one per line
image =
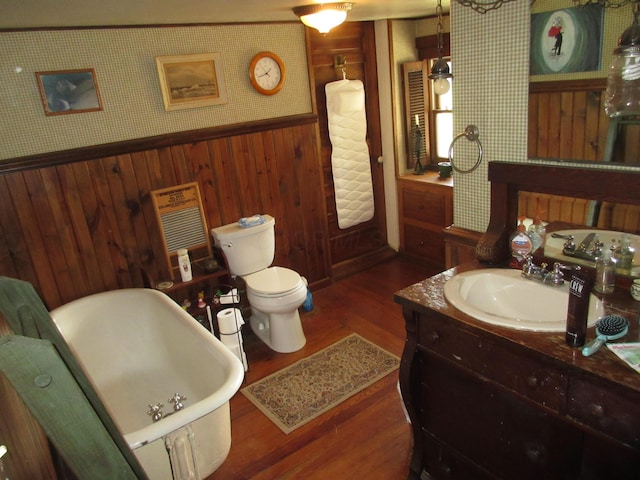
<point x="567" y="120"/>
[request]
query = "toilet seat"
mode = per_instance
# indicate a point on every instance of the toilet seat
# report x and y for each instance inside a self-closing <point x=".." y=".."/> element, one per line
<point x="273" y="281"/>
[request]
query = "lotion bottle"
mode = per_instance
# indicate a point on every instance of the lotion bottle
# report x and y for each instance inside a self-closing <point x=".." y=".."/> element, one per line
<point x="520" y="245"/>
<point x="185" y="265"/>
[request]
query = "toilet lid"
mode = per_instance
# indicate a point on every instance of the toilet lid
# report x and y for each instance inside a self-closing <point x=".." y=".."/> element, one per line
<point x="273" y="280"/>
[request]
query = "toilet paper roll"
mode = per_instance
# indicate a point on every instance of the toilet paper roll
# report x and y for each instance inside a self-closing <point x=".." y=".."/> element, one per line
<point x="231" y="340"/>
<point x="229" y="320"/>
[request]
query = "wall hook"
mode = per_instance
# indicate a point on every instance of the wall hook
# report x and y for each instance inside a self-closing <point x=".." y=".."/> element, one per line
<point x="340" y="65"/>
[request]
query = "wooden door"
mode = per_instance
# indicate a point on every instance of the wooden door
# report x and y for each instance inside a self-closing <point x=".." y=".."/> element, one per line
<point x="365" y="243"/>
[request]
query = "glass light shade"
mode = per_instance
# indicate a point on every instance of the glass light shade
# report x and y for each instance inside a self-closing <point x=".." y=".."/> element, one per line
<point x="441" y="86"/>
<point x="324" y="20"/>
<point x="623" y="83"/>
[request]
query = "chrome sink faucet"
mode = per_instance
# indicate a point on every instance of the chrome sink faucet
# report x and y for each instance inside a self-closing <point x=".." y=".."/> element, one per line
<point x="540" y="273"/>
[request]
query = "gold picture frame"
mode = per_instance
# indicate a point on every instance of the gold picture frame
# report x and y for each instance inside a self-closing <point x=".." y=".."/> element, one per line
<point x="191" y="81"/>
<point x="69" y="91"/>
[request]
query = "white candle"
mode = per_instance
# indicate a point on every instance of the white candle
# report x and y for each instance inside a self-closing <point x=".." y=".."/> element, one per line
<point x="417" y="120"/>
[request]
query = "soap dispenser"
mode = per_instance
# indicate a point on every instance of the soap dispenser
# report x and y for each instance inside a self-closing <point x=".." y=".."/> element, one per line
<point x="537" y="232"/>
<point x="520" y="245"/>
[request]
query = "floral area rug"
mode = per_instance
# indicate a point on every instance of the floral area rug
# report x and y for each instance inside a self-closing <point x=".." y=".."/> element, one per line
<point x="314" y="385"/>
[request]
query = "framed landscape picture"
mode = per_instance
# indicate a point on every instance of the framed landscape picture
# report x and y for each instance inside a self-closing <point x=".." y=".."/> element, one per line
<point x="69" y="91"/>
<point x="189" y="81"/>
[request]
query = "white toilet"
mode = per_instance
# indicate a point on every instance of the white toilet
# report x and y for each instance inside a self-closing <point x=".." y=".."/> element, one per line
<point x="274" y="293"/>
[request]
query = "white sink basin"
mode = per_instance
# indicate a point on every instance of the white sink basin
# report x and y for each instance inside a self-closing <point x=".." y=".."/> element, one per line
<point x="502" y="297"/>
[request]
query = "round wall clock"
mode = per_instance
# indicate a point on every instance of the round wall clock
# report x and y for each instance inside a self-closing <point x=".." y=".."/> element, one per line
<point x="267" y="73"/>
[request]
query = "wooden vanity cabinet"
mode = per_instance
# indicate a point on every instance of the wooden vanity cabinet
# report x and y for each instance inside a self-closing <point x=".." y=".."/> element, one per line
<point x="485" y="403"/>
<point x="426" y="208"/>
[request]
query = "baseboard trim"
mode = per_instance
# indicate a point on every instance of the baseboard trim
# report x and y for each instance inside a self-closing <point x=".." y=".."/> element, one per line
<point x="357" y="264"/>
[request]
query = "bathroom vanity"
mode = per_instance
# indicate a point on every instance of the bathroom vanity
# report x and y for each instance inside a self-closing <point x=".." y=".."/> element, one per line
<point x="489" y="402"/>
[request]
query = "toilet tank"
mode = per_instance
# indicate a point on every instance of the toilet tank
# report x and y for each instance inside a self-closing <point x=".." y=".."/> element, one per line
<point x="247" y="249"/>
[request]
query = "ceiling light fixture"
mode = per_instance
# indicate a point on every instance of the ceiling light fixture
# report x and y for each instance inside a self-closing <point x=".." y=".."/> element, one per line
<point x="623" y="82"/>
<point x="323" y="16"/>
<point x="440" y="72"/>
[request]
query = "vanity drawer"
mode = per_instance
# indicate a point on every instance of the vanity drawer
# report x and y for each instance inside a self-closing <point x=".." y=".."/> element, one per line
<point x="424" y="243"/>
<point x="424" y="205"/>
<point x="512" y="368"/>
<point x="605" y="410"/>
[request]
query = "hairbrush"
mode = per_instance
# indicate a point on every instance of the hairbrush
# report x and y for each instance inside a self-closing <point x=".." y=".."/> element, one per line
<point x="608" y="328"/>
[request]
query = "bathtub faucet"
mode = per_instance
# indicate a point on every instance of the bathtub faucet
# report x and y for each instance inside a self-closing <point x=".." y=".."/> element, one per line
<point x="176" y="400"/>
<point x="155" y="411"/>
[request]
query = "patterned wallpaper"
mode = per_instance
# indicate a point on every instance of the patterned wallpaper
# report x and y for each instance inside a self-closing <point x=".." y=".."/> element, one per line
<point x="491" y="81"/>
<point x="124" y="61"/>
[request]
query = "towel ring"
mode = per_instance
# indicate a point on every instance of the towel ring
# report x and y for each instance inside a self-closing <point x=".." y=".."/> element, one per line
<point x="471" y="133"/>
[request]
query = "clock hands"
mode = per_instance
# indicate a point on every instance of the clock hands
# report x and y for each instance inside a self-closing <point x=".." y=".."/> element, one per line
<point x="266" y="73"/>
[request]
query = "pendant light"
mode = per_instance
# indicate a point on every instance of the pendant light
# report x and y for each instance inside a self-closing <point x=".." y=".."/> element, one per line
<point x="440" y="72"/>
<point x="623" y="82"/>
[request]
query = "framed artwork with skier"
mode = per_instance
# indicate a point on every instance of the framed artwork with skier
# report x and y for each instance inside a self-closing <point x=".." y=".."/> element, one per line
<point x="567" y="40"/>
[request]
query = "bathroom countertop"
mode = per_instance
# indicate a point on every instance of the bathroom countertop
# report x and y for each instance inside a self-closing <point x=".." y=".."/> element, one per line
<point x="427" y="296"/>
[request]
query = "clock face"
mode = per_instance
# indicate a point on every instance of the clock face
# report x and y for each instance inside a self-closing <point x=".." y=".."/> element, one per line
<point x="267" y="73"/>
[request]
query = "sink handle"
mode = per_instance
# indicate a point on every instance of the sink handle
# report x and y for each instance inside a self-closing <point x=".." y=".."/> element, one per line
<point x="557" y="276"/>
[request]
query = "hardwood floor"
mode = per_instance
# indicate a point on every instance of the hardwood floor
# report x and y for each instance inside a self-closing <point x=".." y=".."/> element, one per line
<point x="366" y="436"/>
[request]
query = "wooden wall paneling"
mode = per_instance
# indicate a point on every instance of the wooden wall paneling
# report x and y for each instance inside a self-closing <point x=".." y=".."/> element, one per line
<point x="593" y="146"/>
<point x="315" y="229"/>
<point x="227" y="191"/>
<point x="75" y="236"/>
<point x="27" y="221"/>
<point x="126" y="208"/>
<point x="109" y="211"/>
<point x="289" y="192"/>
<point x="90" y="227"/>
<point x="543" y="126"/>
<point x="150" y="249"/>
<point x="563" y="142"/>
<point x="162" y="171"/>
<point x="269" y="181"/>
<point x="179" y="164"/>
<point x="209" y="189"/>
<point x="15" y="259"/>
<point x="579" y="125"/>
<point x="101" y="229"/>
<point x="575" y="111"/>
<point x="138" y="251"/>
<point x="45" y="226"/>
<point x="244" y="176"/>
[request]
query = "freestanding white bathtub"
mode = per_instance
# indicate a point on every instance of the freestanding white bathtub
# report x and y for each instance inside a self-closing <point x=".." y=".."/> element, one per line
<point x="139" y="347"/>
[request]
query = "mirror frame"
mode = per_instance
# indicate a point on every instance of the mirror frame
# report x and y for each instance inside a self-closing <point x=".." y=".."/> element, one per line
<point x="509" y="178"/>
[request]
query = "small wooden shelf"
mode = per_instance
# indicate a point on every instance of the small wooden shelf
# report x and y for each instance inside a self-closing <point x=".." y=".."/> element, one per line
<point x="198" y="279"/>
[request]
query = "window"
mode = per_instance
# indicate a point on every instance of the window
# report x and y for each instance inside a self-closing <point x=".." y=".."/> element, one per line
<point x="440" y="121"/>
<point x="432" y="113"/>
